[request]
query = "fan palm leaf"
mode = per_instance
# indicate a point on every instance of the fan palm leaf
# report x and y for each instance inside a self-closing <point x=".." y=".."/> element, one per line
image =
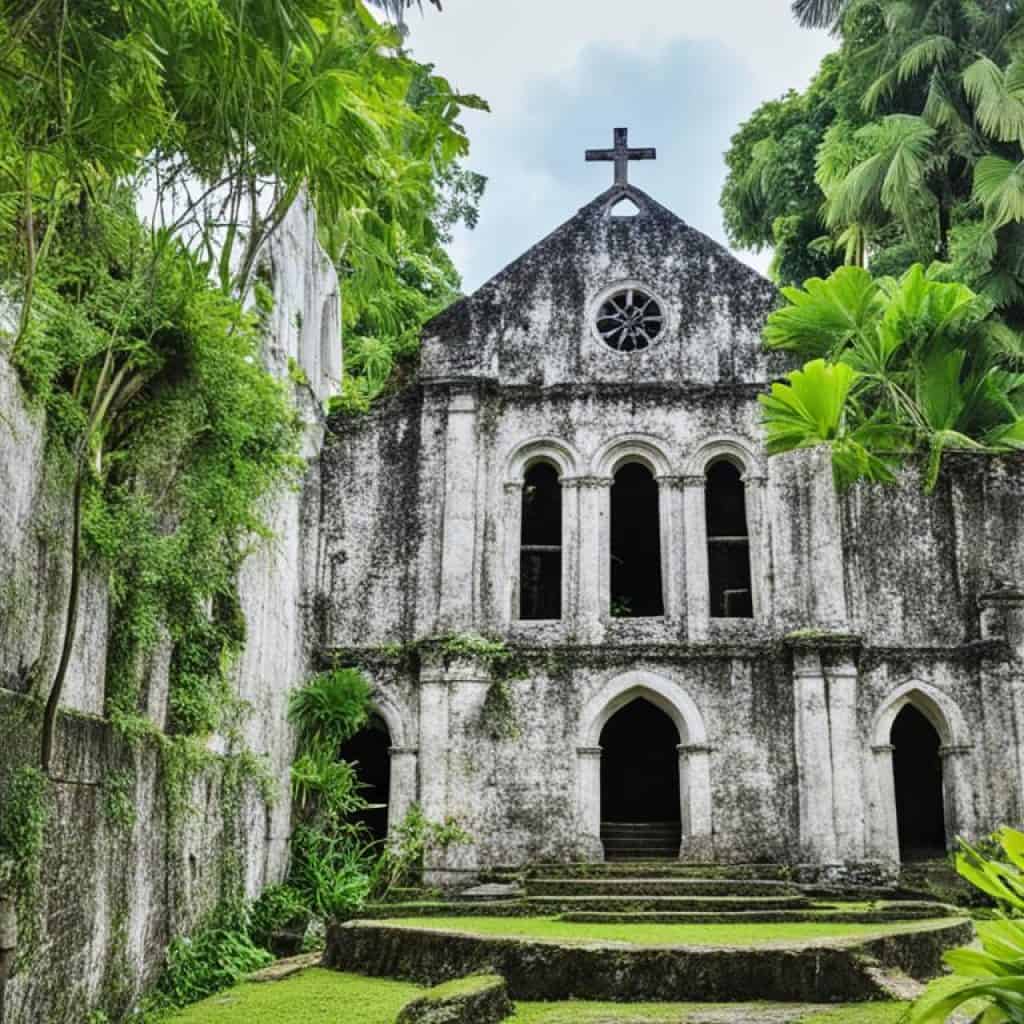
<point x="999" y="187"/>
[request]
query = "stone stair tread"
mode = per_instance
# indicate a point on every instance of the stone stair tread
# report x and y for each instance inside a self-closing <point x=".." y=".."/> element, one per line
<point x="492" y="891"/>
<point x="687" y="902"/>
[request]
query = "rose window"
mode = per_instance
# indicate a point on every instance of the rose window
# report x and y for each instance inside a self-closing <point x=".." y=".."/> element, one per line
<point x="629" y="320"/>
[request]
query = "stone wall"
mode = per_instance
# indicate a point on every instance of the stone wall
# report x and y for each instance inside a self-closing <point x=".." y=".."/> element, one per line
<point x="115" y="891"/>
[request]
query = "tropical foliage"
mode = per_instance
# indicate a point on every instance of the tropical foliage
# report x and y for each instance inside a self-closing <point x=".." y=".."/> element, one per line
<point x="897" y="366"/>
<point x="995" y="973"/>
<point x="917" y="127"/>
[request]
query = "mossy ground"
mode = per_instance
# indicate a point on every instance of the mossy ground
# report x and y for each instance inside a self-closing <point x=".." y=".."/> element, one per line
<point x="761" y="935"/>
<point x="320" y="996"/>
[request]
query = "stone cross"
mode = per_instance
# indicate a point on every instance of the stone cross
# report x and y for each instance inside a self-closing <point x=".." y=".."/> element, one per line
<point x="621" y="154"/>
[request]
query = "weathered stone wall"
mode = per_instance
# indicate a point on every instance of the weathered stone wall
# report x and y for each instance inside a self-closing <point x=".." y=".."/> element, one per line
<point x="113" y="892"/>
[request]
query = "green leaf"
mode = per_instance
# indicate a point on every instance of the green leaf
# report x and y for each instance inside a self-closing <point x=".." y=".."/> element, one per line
<point x="999" y="187"/>
<point x="824" y="316"/>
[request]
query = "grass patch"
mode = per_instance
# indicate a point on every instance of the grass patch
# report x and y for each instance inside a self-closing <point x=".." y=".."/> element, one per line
<point x="778" y="934"/>
<point x="316" y="996"/>
<point x="319" y="996"/>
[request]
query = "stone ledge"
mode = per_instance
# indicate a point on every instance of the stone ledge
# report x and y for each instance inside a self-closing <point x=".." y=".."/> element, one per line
<point x="478" y="999"/>
<point x="846" y="970"/>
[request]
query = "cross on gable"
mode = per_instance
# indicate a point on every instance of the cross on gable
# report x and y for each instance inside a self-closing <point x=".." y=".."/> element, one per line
<point x="621" y="154"/>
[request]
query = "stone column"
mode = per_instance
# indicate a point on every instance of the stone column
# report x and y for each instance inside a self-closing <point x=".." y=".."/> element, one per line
<point x="958" y="793"/>
<point x="887" y="836"/>
<point x="673" y="560"/>
<point x="813" y="759"/>
<point x="458" y="553"/>
<point x="593" y="556"/>
<point x="571" y="537"/>
<point x="433" y="747"/>
<point x="512" y="519"/>
<point x="848" y="791"/>
<point x="760" y="549"/>
<point x="588" y="802"/>
<point x="695" y="801"/>
<point x="695" y="534"/>
<point x="403" y="785"/>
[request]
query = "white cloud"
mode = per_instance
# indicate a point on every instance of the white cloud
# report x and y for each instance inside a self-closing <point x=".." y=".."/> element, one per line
<point x="560" y="74"/>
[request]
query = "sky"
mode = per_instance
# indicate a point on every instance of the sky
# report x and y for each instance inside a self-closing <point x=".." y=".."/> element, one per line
<point x="560" y="75"/>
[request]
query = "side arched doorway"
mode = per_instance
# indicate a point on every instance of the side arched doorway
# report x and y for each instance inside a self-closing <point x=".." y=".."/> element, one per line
<point x="370" y="751"/>
<point x="917" y="780"/>
<point x="640" y="784"/>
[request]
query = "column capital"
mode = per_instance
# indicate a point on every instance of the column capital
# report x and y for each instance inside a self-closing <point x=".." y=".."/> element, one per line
<point x="512" y="486"/>
<point x="587" y="481"/>
<point x="686" y="749"/>
<point x="882" y="748"/>
<point x="955" y="749"/>
<point x="693" y="480"/>
<point x="594" y="752"/>
<point x="403" y="751"/>
<point x="670" y="480"/>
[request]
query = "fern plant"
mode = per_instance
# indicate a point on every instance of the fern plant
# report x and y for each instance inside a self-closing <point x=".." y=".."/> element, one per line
<point x="332" y="707"/>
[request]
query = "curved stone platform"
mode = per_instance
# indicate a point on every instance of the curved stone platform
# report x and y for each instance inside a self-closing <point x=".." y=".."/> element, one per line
<point x="822" y="971"/>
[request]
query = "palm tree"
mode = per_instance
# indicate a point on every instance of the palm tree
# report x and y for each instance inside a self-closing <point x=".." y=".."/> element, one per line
<point x="820" y="13"/>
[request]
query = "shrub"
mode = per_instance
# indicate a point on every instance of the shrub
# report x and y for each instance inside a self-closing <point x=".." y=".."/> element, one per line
<point x="214" y="957"/>
<point x="330" y="708"/>
<point x="995" y="973"/>
<point x="277" y="907"/>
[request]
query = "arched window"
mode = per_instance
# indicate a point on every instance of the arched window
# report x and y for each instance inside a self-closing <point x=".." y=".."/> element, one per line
<point x="636" y="589"/>
<point x="728" y="542"/>
<point x="540" y="549"/>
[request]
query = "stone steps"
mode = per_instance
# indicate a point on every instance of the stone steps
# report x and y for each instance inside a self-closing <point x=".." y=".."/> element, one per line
<point x="878" y="915"/>
<point x="544" y="905"/>
<point x="644" y="840"/>
<point x="643" y="869"/>
<point x="679" y="886"/>
<point x="831" y="970"/>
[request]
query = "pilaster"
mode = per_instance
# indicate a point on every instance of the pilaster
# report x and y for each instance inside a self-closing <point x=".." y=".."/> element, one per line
<point x="458" y="551"/>
<point x="698" y="597"/>
<point x="813" y="759"/>
<point x="848" y="790"/>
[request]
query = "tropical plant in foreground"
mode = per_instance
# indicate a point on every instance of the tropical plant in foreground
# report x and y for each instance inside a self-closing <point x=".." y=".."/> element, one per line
<point x="896" y="367"/>
<point x="995" y="973"/>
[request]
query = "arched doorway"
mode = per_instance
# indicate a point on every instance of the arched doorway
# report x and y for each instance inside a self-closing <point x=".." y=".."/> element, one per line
<point x="917" y="778"/>
<point x="640" y="786"/>
<point x="370" y="751"/>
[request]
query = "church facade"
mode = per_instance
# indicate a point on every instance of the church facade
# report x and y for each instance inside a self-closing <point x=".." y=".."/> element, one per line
<point x="697" y="651"/>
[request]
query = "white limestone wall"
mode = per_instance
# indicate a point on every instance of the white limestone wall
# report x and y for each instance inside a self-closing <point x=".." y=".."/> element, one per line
<point x="114" y="899"/>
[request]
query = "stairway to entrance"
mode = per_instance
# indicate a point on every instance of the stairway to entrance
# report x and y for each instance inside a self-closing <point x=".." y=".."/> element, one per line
<point x="641" y="841"/>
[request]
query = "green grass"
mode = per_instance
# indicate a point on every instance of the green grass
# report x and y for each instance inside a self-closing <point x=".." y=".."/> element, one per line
<point x="316" y="996"/>
<point x="329" y="997"/>
<point x="780" y="934"/>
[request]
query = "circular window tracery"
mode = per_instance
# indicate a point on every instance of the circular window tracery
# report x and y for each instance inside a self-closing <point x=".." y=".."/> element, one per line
<point x="629" y="320"/>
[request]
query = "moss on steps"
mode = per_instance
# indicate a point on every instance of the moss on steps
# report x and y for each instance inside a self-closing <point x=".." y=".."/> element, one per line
<point x="477" y="999"/>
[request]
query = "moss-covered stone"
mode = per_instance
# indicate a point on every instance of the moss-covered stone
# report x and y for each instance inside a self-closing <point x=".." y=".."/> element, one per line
<point x="477" y="999"/>
<point x="827" y="971"/>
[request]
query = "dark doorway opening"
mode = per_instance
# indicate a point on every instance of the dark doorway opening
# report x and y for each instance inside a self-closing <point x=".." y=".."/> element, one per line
<point x="725" y="507"/>
<point x="635" y="544"/>
<point x="640" y="765"/>
<point x="540" y="551"/>
<point x="917" y="767"/>
<point x="370" y="751"/>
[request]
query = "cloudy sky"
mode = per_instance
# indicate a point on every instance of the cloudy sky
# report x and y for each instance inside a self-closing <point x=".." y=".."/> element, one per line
<point x="561" y="74"/>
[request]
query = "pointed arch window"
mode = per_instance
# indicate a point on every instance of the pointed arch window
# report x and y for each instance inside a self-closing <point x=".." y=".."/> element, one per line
<point x="540" y="548"/>
<point x="728" y="537"/>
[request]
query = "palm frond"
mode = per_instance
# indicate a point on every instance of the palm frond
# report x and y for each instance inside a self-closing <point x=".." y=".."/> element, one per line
<point x="928" y="53"/>
<point x="999" y="113"/>
<point x="999" y="187"/>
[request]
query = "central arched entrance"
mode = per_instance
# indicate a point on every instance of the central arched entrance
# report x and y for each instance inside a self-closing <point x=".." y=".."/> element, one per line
<point x="917" y="779"/>
<point x="640" y="789"/>
<point x="370" y="751"/>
